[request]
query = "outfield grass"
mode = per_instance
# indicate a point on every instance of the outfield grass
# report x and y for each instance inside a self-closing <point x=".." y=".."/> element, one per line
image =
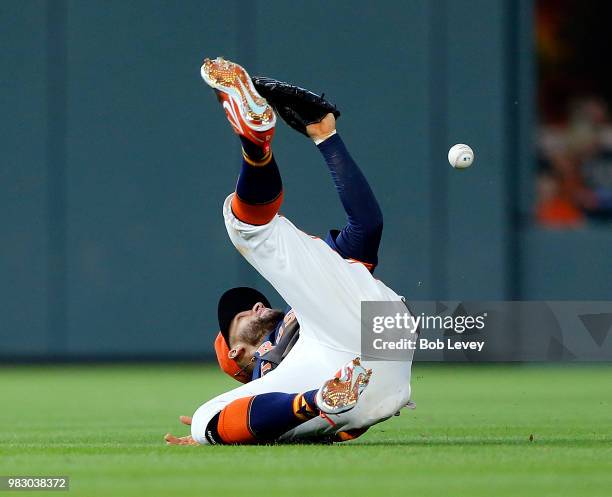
<point x="103" y="426"/>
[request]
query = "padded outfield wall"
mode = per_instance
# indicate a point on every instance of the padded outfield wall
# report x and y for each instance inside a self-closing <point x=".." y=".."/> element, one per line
<point x="116" y="160"/>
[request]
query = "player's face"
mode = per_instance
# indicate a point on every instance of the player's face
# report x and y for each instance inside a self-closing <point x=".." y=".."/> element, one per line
<point x="249" y="328"/>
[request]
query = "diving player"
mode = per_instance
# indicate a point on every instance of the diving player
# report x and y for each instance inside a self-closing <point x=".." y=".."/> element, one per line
<point x="286" y="359"/>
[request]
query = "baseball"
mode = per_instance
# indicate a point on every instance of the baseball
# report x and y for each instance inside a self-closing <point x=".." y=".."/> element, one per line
<point x="460" y="156"/>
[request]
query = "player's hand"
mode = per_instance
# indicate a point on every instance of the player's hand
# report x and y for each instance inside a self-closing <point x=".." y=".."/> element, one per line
<point x="323" y="129"/>
<point x="188" y="440"/>
<point x="172" y="440"/>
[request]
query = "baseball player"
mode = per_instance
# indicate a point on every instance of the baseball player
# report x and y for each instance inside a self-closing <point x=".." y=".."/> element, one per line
<point x="287" y="360"/>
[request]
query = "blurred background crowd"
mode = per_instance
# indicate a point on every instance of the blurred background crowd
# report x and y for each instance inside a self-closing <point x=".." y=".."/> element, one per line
<point x="574" y="142"/>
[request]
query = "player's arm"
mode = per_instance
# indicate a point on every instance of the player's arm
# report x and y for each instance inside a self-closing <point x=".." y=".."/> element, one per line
<point x="312" y="115"/>
<point x="360" y="237"/>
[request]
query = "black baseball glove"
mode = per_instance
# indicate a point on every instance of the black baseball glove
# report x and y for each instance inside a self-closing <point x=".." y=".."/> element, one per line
<point x="297" y="106"/>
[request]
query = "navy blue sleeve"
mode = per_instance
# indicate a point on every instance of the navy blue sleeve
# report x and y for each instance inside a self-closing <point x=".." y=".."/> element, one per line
<point x="360" y="237"/>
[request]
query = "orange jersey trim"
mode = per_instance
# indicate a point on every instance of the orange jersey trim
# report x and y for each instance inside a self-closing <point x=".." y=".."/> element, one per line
<point x="256" y="214"/>
<point x="345" y="436"/>
<point x="233" y="426"/>
<point x="370" y="267"/>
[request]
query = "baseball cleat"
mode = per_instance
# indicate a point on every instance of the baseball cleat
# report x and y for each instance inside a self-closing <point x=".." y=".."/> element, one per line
<point x="247" y="111"/>
<point x="341" y="393"/>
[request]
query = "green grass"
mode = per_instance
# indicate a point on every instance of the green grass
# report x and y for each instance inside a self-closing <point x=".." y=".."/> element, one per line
<point x="103" y="427"/>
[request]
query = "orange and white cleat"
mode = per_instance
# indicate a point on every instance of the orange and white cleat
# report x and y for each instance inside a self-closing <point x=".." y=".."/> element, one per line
<point x="248" y="112"/>
<point x="341" y="393"/>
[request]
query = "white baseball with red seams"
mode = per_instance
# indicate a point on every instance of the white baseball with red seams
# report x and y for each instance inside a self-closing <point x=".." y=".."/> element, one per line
<point x="461" y="156"/>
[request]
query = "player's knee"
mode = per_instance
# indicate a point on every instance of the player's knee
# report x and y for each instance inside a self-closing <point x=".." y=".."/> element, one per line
<point x="201" y="419"/>
<point x="218" y="423"/>
<point x="232" y="424"/>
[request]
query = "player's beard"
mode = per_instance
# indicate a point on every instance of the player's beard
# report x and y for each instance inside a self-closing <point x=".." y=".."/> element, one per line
<point x="260" y="327"/>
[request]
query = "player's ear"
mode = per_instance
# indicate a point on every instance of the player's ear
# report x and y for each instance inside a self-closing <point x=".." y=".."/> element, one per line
<point x="235" y="353"/>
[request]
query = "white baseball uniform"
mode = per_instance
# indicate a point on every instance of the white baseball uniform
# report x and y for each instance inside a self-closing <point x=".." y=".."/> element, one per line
<point x="326" y="292"/>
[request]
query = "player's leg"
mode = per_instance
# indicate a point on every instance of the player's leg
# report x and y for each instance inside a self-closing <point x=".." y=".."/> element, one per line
<point x="264" y="418"/>
<point x="387" y="393"/>
<point x="259" y="190"/>
<point x="261" y="418"/>
<point x="261" y="411"/>
<point x="297" y="373"/>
